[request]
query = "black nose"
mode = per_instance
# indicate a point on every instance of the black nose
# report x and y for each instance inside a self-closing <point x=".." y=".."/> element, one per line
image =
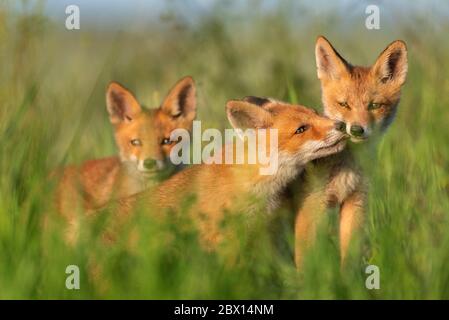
<point x="357" y="130"/>
<point x="340" y="126"/>
<point x="149" y="163"/>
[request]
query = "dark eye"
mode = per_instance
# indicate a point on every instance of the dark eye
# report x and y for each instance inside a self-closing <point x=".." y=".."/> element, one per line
<point x="136" y="142"/>
<point x="374" y="105"/>
<point x="166" y="141"/>
<point x="302" y="129"/>
<point x="344" y="104"/>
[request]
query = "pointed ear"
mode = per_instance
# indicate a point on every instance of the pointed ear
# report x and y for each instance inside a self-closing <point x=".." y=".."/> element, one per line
<point x="245" y="115"/>
<point x="121" y="104"/>
<point x="181" y="100"/>
<point x="330" y="65"/>
<point x="260" y="101"/>
<point x="392" y="65"/>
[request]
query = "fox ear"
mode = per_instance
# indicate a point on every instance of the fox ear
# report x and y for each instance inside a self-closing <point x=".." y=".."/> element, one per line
<point x="245" y="115"/>
<point x="259" y="101"/>
<point x="391" y="65"/>
<point x="121" y="104"/>
<point x="330" y="65"/>
<point x="181" y="100"/>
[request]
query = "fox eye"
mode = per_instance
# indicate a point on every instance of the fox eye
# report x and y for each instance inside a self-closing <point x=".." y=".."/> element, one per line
<point x="302" y="129"/>
<point x="136" y="142"/>
<point x="344" y="104"/>
<point x="374" y="105"/>
<point x="166" y="141"/>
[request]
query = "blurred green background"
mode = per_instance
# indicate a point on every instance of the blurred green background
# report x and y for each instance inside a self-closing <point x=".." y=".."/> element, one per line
<point x="52" y="112"/>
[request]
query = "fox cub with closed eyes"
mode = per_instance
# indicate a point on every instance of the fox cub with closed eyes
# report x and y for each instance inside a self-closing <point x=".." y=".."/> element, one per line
<point x="366" y="99"/>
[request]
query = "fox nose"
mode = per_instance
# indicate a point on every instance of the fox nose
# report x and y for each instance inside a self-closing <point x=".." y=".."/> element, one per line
<point x="357" y="130"/>
<point x="340" y="126"/>
<point x="149" y="163"/>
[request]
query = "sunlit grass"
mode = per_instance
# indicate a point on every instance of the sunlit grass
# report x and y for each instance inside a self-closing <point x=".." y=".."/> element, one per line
<point x="52" y="112"/>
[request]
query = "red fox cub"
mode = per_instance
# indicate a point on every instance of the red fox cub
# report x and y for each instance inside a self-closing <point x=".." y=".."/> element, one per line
<point x="302" y="135"/>
<point x="143" y="140"/>
<point x="366" y="99"/>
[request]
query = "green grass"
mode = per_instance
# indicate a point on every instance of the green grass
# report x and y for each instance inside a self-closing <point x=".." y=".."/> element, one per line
<point x="52" y="112"/>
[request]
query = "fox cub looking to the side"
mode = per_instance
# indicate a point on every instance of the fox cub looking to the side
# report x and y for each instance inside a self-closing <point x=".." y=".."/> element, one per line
<point x="302" y="136"/>
<point x="366" y="99"/>
<point x="143" y="140"/>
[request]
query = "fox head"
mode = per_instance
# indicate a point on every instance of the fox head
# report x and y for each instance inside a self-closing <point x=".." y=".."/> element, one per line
<point x="365" y="98"/>
<point x="303" y="135"/>
<point x="142" y="135"/>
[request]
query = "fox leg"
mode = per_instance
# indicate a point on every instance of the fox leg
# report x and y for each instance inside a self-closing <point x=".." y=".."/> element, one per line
<point x="70" y="209"/>
<point x="307" y="220"/>
<point x="351" y="219"/>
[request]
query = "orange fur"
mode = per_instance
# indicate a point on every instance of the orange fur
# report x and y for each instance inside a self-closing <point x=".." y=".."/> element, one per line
<point x="366" y="99"/>
<point x="139" y="134"/>
<point x="221" y="188"/>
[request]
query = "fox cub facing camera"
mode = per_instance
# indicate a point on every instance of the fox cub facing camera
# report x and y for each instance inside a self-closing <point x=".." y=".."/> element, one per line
<point x="366" y="99"/>
<point x="143" y="141"/>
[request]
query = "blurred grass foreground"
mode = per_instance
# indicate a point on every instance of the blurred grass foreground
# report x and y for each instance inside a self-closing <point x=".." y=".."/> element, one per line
<point x="52" y="113"/>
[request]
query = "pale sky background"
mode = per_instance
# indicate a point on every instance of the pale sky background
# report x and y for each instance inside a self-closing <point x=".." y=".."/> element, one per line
<point x="121" y="13"/>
